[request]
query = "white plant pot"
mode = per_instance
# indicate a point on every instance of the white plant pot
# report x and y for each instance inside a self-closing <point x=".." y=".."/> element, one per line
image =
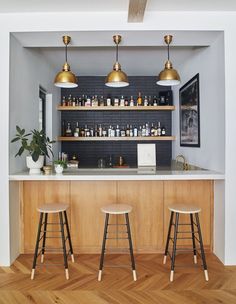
<point x="34" y="166"/>
<point x="58" y="169"/>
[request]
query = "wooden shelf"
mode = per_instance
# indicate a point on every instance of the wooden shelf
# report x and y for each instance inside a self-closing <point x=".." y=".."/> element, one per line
<point x="139" y="138"/>
<point x="117" y="108"/>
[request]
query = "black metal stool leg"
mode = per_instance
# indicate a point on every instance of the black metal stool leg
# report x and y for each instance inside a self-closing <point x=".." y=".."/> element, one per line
<point x="103" y="247"/>
<point x="44" y="235"/>
<point x="37" y="246"/>
<point x="168" y="236"/>
<point x="69" y="237"/>
<point x="131" y="247"/>
<point x="174" y="247"/>
<point x="64" y="245"/>
<point x="193" y="239"/>
<point x="201" y="247"/>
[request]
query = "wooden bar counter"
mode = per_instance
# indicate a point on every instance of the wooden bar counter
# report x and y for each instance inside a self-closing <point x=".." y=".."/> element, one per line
<point x="149" y="195"/>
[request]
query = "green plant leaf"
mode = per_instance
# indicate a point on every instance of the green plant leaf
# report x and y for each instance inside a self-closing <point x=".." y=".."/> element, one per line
<point x="15" y="139"/>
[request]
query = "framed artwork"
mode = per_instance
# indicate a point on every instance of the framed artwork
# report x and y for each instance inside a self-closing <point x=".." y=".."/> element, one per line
<point x="190" y="113"/>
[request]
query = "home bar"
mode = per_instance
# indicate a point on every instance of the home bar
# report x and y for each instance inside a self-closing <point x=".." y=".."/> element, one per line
<point x="117" y="152"/>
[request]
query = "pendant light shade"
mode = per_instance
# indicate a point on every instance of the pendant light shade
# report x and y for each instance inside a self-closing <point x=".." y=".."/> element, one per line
<point x="117" y="78"/>
<point x="65" y="78"/>
<point x="168" y="76"/>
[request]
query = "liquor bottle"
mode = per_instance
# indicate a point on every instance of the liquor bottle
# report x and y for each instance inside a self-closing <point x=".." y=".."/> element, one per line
<point x="131" y="131"/>
<point x="147" y="133"/>
<point x="145" y="101"/>
<point x="96" y="132"/>
<point x="104" y="132"/>
<point x="122" y="132"/>
<point x="117" y="131"/>
<point x="139" y="100"/>
<point x="93" y="101"/>
<point x="163" y="131"/>
<point x="155" y="101"/>
<point x="83" y="101"/>
<point x="159" y="129"/>
<point x="73" y="101"/>
<point x="96" y="101"/>
<point x="155" y="131"/>
<point x="110" y="163"/>
<point x="140" y="131"/>
<point x="131" y="101"/>
<point x="150" y="103"/>
<point x="109" y="131"/>
<point x="152" y="131"/>
<point x="78" y="102"/>
<point x="108" y="102"/>
<point x="100" y="131"/>
<point x="82" y="132"/>
<point x="135" y="131"/>
<point x="101" y="101"/>
<point x="76" y="132"/>
<point x="112" y="132"/>
<point x="143" y="131"/>
<point x="127" y="131"/>
<point x="86" y="130"/>
<point x="122" y="101"/>
<point x="68" y="130"/>
<point x="116" y="102"/>
<point x="91" y="132"/>
<point x="69" y="101"/>
<point x="63" y="102"/>
<point x="88" y="102"/>
<point x="126" y="102"/>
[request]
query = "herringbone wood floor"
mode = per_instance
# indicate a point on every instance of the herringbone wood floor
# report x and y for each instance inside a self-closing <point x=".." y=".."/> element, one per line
<point x="117" y="286"/>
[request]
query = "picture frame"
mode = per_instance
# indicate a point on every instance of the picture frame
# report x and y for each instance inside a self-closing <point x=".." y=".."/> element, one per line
<point x="189" y="112"/>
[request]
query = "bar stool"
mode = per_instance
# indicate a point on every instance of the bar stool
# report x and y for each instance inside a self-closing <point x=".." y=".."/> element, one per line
<point x="42" y="233"/>
<point x="117" y="209"/>
<point x="191" y="210"/>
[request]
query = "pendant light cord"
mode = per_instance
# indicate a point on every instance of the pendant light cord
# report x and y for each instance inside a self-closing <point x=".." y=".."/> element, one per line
<point x="168" y="50"/>
<point x="116" y="52"/>
<point x="66" y="52"/>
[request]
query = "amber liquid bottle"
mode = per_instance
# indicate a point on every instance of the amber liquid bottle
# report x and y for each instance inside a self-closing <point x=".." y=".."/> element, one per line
<point x="139" y="100"/>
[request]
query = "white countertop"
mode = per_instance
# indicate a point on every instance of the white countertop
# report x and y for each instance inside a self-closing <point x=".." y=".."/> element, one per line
<point x="121" y="174"/>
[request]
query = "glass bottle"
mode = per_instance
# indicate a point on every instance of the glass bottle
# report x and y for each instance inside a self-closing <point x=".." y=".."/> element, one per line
<point x="159" y="129"/>
<point x="139" y="100"/>
<point x="68" y="129"/>
<point x="163" y="131"/>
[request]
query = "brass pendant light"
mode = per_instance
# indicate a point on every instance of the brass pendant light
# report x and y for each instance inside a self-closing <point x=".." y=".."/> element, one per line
<point x="65" y="78"/>
<point x="117" y="78"/>
<point x="168" y="76"/>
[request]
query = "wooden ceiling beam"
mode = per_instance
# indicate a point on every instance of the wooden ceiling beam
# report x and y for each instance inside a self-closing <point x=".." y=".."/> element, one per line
<point x="136" y="10"/>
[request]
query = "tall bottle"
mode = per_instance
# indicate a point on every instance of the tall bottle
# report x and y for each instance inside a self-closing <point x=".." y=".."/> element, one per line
<point x="76" y="132"/>
<point x="145" y="101"/>
<point x="117" y="131"/>
<point x="139" y="100"/>
<point x="131" y="101"/>
<point x="159" y="129"/>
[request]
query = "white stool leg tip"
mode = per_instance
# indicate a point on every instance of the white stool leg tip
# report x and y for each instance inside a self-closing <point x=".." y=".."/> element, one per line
<point x="195" y="259"/>
<point x="99" y="275"/>
<point x="134" y="275"/>
<point x="206" y="275"/>
<point x="72" y="258"/>
<point x="67" y="273"/>
<point x="42" y="258"/>
<point x="32" y="274"/>
<point x="164" y="260"/>
<point x="172" y="275"/>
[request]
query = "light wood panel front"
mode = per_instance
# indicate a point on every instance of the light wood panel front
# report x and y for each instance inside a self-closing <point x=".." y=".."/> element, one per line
<point x="146" y="198"/>
<point x="36" y="193"/>
<point x="87" y="220"/>
<point x="197" y="193"/>
<point x="149" y="218"/>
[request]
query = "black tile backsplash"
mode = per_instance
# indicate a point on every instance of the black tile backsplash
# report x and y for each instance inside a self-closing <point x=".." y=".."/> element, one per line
<point x="90" y="152"/>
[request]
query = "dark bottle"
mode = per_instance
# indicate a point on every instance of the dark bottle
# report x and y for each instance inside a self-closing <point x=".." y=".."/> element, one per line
<point x="163" y="131"/>
<point x="155" y="101"/>
<point x="63" y="128"/>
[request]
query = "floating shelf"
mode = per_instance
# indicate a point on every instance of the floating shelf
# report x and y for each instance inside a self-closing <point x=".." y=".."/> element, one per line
<point x="139" y="138"/>
<point x="116" y="108"/>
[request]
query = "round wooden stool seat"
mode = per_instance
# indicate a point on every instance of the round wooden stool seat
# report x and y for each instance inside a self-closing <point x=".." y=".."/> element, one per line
<point x="117" y="209"/>
<point x="186" y="209"/>
<point x="53" y="208"/>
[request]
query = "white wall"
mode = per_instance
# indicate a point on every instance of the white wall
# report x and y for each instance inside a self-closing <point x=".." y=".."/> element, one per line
<point x="28" y="70"/>
<point x="166" y="21"/>
<point x="209" y="63"/>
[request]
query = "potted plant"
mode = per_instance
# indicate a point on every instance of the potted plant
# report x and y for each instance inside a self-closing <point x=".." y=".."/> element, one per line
<point x="38" y="146"/>
<point x="59" y="166"/>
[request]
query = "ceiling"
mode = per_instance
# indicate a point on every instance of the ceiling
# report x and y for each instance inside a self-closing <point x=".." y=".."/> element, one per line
<point x="113" y="6"/>
<point x="93" y="53"/>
